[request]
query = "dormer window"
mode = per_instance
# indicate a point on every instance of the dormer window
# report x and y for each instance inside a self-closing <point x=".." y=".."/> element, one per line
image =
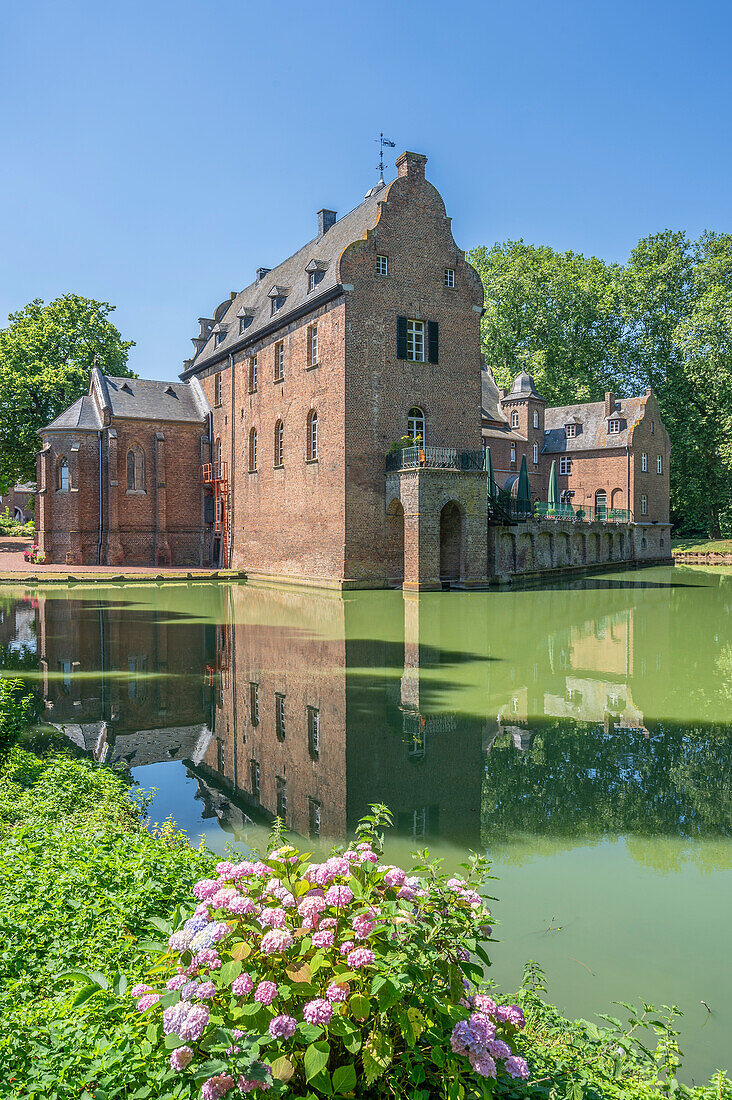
<point x="220" y="337"/>
<point x="277" y="296"/>
<point x="127" y="388"/>
<point x="570" y="430"/>
<point x="315" y="272"/>
<point x="613" y="426"/>
<point x="246" y="316"/>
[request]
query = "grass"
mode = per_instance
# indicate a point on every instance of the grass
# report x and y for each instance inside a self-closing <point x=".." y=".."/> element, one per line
<point x="701" y="546"/>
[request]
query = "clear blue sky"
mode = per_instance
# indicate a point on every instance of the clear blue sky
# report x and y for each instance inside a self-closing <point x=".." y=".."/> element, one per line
<point x="154" y="154"/>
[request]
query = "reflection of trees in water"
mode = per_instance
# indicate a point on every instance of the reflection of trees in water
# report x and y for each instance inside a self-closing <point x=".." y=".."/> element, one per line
<point x="579" y="780"/>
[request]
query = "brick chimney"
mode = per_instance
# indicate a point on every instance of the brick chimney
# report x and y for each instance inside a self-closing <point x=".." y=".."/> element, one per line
<point x="326" y="220"/>
<point x="411" y="164"/>
<point x="609" y="403"/>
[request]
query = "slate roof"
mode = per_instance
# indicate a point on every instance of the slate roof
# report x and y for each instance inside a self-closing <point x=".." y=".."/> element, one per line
<point x="289" y="274"/>
<point x="491" y="397"/>
<point x="82" y="416"/>
<point x="142" y="399"/>
<point x="591" y="422"/>
<point x="523" y="386"/>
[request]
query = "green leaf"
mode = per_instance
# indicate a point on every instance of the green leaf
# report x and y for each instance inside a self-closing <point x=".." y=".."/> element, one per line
<point x="377" y="1054"/>
<point x="119" y="984"/>
<point x="231" y="970"/>
<point x="282" y="1069"/>
<point x="316" y="1059"/>
<point x="84" y="994"/>
<point x="359" y="1006"/>
<point x="344" y="1078"/>
<point x="321" y="1082"/>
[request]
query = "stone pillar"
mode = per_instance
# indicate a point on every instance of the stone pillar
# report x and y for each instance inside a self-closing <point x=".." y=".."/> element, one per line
<point x="44" y="534"/>
<point x="162" y="547"/>
<point x="410" y="678"/>
<point x="115" y="553"/>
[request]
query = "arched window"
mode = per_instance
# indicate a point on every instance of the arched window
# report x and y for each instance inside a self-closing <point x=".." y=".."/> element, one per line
<point x="417" y="426"/>
<point x="535" y="456"/>
<point x="62" y="475"/>
<point x="135" y="469"/>
<point x="253" y="451"/>
<point x="536" y="418"/>
<point x="279" y="434"/>
<point x="312" y="436"/>
<point x="514" y="419"/>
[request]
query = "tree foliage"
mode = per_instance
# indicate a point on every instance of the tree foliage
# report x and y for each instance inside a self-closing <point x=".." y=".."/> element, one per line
<point x="663" y="320"/>
<point x="46" y="355"/>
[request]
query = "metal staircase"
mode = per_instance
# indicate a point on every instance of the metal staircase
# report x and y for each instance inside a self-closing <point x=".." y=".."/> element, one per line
<point x="216" y="476"/>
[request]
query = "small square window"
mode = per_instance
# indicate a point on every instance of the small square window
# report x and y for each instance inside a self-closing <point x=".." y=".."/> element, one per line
<point x="382" y="265"/>
<point x="613" y="427"/>
<point x="449" y="277"/>
<point x="570" y="431"/>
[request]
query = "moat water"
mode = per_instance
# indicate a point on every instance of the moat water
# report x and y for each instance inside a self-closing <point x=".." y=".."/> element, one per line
<point x="580" y="735"/>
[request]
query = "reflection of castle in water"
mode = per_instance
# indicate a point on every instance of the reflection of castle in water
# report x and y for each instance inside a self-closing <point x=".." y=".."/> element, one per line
<point x="312" y="707"/>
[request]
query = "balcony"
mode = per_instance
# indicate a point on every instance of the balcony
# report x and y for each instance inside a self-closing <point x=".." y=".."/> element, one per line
<point x="585" y="514"/>
<point x="433" y="458"/>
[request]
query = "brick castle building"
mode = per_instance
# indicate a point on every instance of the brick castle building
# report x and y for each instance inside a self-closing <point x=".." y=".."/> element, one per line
<point x="271" y="454"/>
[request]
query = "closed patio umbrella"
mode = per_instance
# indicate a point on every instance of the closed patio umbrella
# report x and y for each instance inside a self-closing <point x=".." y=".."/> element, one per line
<point x="552" y="499"/>
<point x="523" y="491"/>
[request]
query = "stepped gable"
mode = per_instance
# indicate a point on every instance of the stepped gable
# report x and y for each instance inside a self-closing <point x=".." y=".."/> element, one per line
<point x="322" y="253"/>
<point x="592" y="419"/>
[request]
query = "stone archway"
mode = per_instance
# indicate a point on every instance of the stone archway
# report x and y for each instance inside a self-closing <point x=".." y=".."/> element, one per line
<point x="395" y="543"/>
<point x="451" y="542"/>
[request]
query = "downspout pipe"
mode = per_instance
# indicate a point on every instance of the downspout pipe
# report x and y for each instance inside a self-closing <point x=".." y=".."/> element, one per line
<point x="231" y="477"/>
<point x="101" y="483"/>
<point x="627" y="490"/>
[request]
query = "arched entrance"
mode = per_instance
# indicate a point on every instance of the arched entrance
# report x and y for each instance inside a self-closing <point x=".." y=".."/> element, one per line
<point x="395" y="543"/>
<point x="451" y="539"/>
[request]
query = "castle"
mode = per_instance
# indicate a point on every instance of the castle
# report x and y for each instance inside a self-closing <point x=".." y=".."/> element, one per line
<point x="281" y="452"/>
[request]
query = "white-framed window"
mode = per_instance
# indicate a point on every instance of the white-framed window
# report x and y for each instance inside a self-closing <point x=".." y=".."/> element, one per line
<point x="244" y="323"/>
<point x="613" y="427"/>
<point x="279" y="361"/>
<point x="514" y="419"/>
<point x="311" y="444"/>
<point x="277" y="303"/>
<point x="535" y="457"/>
<point x="417" y="425"/>
<point x="312" y="345"/>
<point x="644" y="462"/>
<point x="449" y="277"/>
<point x="280" y="716"/>
<point x="253" y="451"/>
<point x="536" y="418"/>
<point x="565" y="465"/>
<point x="570" y="430"/>
<point x="63" y="480"/>
<point x="659" y="464"/>
<point x="513" y="453"/>
<point x="415" y="341"/>
<point x="382" y="265"/>
<point x="217" y="388"/>
<point x="252" y="373"/>
<point x="220" y="337"/>
<point x="644" y="505"/>
<point x="279" y="443"/>
<point x="312" y="280"/>
<point x="313" y="731"/>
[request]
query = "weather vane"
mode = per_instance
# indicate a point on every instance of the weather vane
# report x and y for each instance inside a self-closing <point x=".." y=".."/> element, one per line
<point x="384" y="143"/>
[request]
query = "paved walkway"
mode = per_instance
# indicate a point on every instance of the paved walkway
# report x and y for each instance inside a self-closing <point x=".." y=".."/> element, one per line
<point x="13" y="567"/>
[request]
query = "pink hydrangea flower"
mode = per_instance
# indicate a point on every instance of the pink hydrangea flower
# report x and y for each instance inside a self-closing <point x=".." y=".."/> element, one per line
<point x="456" y="884"/>
<point x="323" y="939"/>
<point x="394" y="877"/>
<point x="318" y="1011"/>
<point x="363" y="926"/>
<point x="205" y="991"/>
<point x="180" y="1058"/>
<point x="346" y="947"/>
<point x="208" y="959"/>
<point x="242" y="870"/>
<point x="261" y="870"/>
<point x="276" y="941"/>
<point x="336" y="993"/>
<point x="265" y="993"/>
<point x="328" y="922"/>
<point x="362" y="956"/>
<point x="311" y="906"/>
<point x="482" y="1063"/>
<point x="242" y="985"/>
<point x="273" y="918"/>
<point x="339" y="896"/>
<point x="147" y="1001"/>
<point x="206" y="889"/>
<point x="517" y="1067"/>
<point x="369" y="857"/>
<point x="242" y="906"/>
<point x="217" y="1086"/>
<point x="246" y="1084"/>
<point x="176" y="982"/>
<point x="485" y="1004"/>
<point x="203" y="910"/>
<point x="282" y="1027"/>
<point x="139" y="989"/>
<point x="406" y="893"/>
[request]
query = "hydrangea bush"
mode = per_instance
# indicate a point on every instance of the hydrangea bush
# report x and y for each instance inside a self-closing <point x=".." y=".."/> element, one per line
<point x="342" y="978"/>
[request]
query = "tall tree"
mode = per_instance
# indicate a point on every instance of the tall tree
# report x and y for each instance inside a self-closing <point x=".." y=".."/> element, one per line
<point x="46" y="355"/>
<point x="555" y="314"/>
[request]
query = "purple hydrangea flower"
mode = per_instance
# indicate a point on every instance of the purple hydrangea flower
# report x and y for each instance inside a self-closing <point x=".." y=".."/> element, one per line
<point x="498" y="1049"/>
<point x="265" y="993"/>
<point x="485" y="1004"/>
<point x="517" y="1067"/>
<point x="282" y="1027"/>
<point x="318" y="1011"/>
<point x="482" y="1063"/>
<point x="217" y="1086"/>
<point x="195" y="924"/>
<point x="180" y="1058"/>
<point x="336" y="993"/>
<point x="242" y="985"/>
<point x="510" y="1014"/>
<point x="205" y="991"/>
